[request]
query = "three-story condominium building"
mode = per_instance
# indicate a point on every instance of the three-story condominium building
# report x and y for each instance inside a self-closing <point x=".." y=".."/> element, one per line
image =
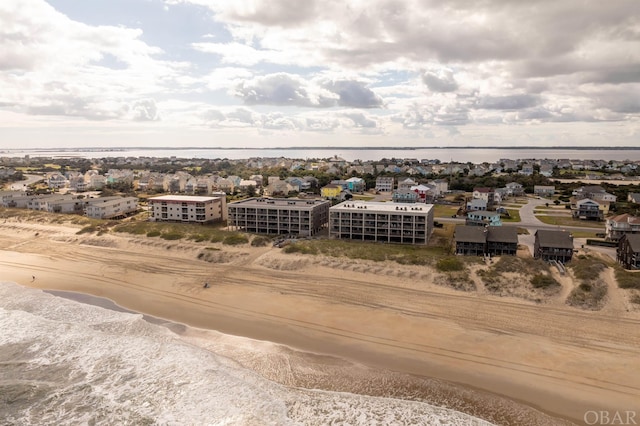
<point x="279" y="215"/>
<point x="384" y="222"/>
<point x="186" y="208"/>
<point x="111" y="207"/>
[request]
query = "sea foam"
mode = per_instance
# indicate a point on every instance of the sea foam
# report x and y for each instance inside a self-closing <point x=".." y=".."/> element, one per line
<point x="64" y="362"/>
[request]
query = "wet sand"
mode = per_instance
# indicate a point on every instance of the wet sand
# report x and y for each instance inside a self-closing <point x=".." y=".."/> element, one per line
<point x="560" y="360"/>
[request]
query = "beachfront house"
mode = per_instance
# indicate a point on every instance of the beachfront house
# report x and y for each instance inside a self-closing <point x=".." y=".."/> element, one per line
<point x="290" y="216"/>
<point x="188" y="208"/>
<point x="620" y="225"/>
<point x="470" y="240"/>
<point x="553" y="245"/>
<point x="490" y="240"/>
<point x="628" y="251"/>
<point x="502" y="240"/>
<point x="403" y="223"/>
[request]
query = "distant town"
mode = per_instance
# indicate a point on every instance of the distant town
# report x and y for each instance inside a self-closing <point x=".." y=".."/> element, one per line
<point x="390" y="200"/>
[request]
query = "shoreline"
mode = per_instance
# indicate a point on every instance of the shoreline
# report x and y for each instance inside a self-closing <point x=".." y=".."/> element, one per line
<point x="559" y="360"/>
<point x="433" y="386"/>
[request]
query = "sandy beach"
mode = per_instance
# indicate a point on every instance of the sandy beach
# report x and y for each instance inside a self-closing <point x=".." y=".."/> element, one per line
<point x="554" y="358"/>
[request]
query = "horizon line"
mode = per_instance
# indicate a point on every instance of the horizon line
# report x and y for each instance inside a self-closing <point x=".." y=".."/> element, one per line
<point x="385" y="148"/>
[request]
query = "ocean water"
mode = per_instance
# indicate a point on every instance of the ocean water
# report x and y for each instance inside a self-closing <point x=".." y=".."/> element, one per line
<point x="65" y="363"/>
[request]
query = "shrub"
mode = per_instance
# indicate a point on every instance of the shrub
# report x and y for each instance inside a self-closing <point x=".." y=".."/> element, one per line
<point x="260" y="241"/>
<point x="635" y="299"/>
<point x="217" y="238"/>
<point x="450" y="263"/>
<point x="153" y="234"/>
<point x="235" y="240"/>
<point x="87" y="230"/>
<point x="627" y="279"/>
<point x="171" y="236"/>
<point x="543" y="281"/>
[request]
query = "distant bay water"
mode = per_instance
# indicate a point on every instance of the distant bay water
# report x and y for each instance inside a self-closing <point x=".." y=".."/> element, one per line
<point x="463" y="155"/>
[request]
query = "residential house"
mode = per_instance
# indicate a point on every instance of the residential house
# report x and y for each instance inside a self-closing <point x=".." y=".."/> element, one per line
<point x="404" y="196"/>
<point x="441" y="186"/>
<point x="246" y="183"/>
<point x="502" y="240"/>
<point x="633" y="197"/>
<point x="470" y="240"/>
<point x="385" y="183"/>
<point x="628" y="251"/>
<point x="515" y="189"/>
<point x="97" y="182"/>
<point x="57" y="181"/>
<point x="526" y="170"/>
<point x="426" y="193"/>
<point x="296" y="182"/>
<point x="258" y="179"/>
<point x="278" y="188"/>
<point x="356" y="184"/>
<point x="225" y="185"/>
<point x="620" y="225"/>
<point x="594" y="192"/>
<point x="406" y="183"/>
<point x="204" y="186"/>
<point x="476" y="204"/>
<point x="588" y="209"/>
<point x="553" y="245"/>
<point x="331" y="191"/>
<point x="491" y="240"/>
<point x="483" y="218"/>
<point x="544" y="190"/>
<point x="486" y="194"/>
<point x="546" y="170"/>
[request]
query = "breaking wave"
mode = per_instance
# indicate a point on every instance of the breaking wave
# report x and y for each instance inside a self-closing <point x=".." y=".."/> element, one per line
<point x="64" y="362"/>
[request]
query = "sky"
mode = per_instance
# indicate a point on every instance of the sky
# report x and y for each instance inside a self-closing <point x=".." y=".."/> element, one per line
<point x="281" y="73"/>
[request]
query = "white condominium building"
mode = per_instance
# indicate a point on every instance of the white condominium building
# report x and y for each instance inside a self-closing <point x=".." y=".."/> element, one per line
<point x="405" y="223"/>
<point x="186" y="208"/>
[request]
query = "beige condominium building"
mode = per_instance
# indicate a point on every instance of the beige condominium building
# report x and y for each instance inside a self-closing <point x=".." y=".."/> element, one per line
<point x="110" y="207"/>
<point x="186" y="208"/>
<point x="279" y="216"/>
<point x="405" y="223"/>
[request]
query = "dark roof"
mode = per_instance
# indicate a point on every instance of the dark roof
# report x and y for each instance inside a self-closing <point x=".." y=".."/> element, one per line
<point x="555" y="239"/>
<point x="634" y="241"/>
<point x="469" y="234"/>
<point x="502" y="234"/>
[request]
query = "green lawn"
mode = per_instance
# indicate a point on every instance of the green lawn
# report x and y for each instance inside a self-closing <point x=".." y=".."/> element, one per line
<point x="569" y="221"/>
<point x="440" y="210"/>
<point x="363" y="197"/>
<point x="514" y="216"/>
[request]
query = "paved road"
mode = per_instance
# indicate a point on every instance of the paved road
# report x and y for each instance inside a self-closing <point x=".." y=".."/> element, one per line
<point x="23" y="184"/>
